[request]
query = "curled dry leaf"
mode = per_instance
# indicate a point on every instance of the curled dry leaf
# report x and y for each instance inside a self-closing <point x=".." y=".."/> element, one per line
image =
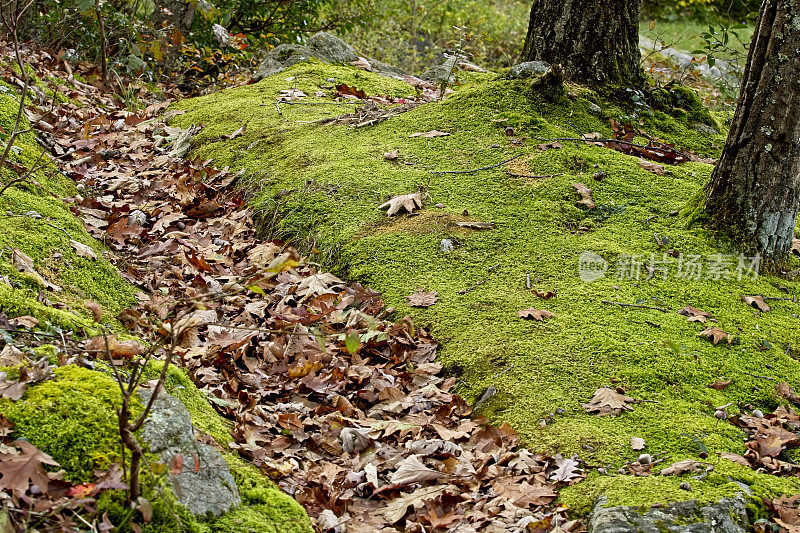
<point x="607" y="401"/>
<point x="543" y="295"/>
<point x="681" y="467"/>
<point x="422" y="298"/>
<point x="695" y="314"/>
<point x="405" y="202"/>
<point x="118" y="349"/>
<point x="715" y="335"/>
<point x="411" y="470"/>
<point x="785" y="390"/>
<point x="585" y="194"/>
<point x="24" y="322"/>
<point x="637" y="443"/>
<point x="95" y="309"/>
<point x="756" y="301"/>
<point x="719" y="384"/>
<point x="82" y="250"/>
<point x="652" y="167"/>
<point x="536" y="314"/>
<point x="391" y="156"/>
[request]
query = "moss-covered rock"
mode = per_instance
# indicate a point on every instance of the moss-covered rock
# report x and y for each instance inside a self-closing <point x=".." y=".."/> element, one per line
<point x="319" y="187"/>
<point x="73" y="419"/>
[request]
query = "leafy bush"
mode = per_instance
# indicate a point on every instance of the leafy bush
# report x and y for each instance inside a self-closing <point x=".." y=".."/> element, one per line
<point x="699" y="9"/>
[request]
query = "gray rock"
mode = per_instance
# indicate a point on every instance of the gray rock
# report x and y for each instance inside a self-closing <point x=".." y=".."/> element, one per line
<point x="167" y="432"/>
<point x="528" y="69"/>
<point x="440" y="73"/>
<point x="446" y="246"/>
<point x="727" y="516"/>
<point x="282" y="57"/>
<point x="705" y="128"/>
<point x="331" y="49"/>
<point x="594" y="108"/>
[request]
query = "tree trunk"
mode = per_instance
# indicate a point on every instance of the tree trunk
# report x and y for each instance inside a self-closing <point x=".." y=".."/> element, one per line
<point x="596" y="42"/>
<point x="754" y="192"/>
<point x="177" y="13"/>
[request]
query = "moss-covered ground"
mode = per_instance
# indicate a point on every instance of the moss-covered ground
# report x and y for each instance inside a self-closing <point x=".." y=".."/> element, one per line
<point x="319" y="185"/>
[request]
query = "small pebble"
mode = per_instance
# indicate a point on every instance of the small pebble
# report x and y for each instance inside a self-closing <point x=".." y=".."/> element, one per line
<point x="674" y="213"/>
<point x="509" y="131"/>
<point x="446" y="246"/>
<point x="495" y="146"/>
<point x="721" y="415"/>
<point x="137" y="218"/>
<point x="560" y="411"/>
<point x="757" y="413"/>
<point x="599" y="176"/>
<point x="33" y="214"/>
<point x="685" y="486"/>
<point x="181" y="226"/>
<point x="439" y="206"/>
<point x="645" y="459"/>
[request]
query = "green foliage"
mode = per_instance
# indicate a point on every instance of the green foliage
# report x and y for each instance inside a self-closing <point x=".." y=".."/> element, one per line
<point x="698" y="9"/>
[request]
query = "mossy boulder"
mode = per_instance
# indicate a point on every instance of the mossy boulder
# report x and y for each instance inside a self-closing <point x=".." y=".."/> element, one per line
<point x="319" y="186"/>
<point x="73" y="418"/>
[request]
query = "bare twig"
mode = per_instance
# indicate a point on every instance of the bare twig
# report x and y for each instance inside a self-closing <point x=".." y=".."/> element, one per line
<point x="760" y="377"/>
<point x="638" y="306"/>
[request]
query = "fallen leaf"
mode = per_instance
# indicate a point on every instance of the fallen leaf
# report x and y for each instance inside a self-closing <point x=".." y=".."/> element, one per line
<point x="422" y="298"/>
<point x="735" y="458"/>
<point x="607" y="401"/>
<point x="344" y="89"/>
<point x="756" y="301"/>
<point x="82" y="250"/>
<point x="24" y="322"/>
<point x="536" y="314"/>
<point x="543" y="295"/>
<point x="681" y="467"/>
<point x="430" y="134"/>
<point x="785" y="390"/>
<point x="407" y="202"/>
<point x="585" y="194"/>
<point x="476" y="225"/>
<point x="694" y="312"/>
<point x="391" y="156"/>
<point x="95" y="309"/>
<point x="361" y="63"/>
<point x="652" y="167"/>
<point x="720" y="385"/>
<point x="715" y="335"/>
<point x="796" y="246"/>
<point x="637" y="443"/>
<point x="396" y="509"/>
<point x="24" y="467"/>
<point x="566" y="470"/>
<point x="412" y="470"/>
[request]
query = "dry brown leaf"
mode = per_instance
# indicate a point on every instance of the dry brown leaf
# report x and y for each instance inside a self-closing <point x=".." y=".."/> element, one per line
<point x="735" y="458"/>
<point x="607" y="401"/>
<point x="585" y="194"/>
<point x="692" y="312"/>
<point x="785" y="390"/>
<point x="429" y="134"/>
<point x="396" y="509"/>
<point x="24" y="322"/>
<point x="637" y="443"/>
<point x="756" y="301"/>
<point x="681" y="467"/>
<point x="405" y="202"/>
<point x="412" y="470"/>
<point x="796" y="246"/>
<point x="719" y="384"/>
<point x="715" y="335"/>
<point x="391" y="156"/>
<point x="82" y="250"/>
<point x="422" y="298"/>
<point x="652" y="167"/>
<point x="536" y="314"/>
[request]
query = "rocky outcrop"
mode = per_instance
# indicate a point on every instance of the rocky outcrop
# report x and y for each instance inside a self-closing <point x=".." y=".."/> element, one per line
<point x="204" y="484"/>
<point x="727" y="516"/>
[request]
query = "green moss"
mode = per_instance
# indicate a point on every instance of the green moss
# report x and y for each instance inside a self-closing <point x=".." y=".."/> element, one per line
<point x="72" y="418"/>
<point x="337" y="177"/>
<point x="45" y="238"/>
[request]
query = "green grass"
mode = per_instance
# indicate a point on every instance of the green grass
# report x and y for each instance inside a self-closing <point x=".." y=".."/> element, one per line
<point x="338" y="176"/>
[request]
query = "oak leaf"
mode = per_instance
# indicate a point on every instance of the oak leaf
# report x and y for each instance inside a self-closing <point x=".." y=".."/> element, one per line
<point x="81" y="250"/>
<point x="536" y="314"/>
<point x="607" y="401"/>
<point x="756" y="301"/>
<point x="719" y="384"/>
<point x="412" y="470"/>
<point x="24" y="467"/>
<point x="422" y="298"/>
<point x="681" y="467"/>
<point x="407" y="202"/>
<point x="396" y="509"/>
<point x="715" y="335"/>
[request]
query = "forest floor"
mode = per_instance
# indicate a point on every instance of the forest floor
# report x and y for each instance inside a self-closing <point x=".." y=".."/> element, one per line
<point x="570" y="291"/>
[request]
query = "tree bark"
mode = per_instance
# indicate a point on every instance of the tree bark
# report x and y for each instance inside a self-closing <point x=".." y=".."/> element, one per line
<point x="754" y="192"/>
<point x="177" y="13"/>
<point x="596" y="42"/>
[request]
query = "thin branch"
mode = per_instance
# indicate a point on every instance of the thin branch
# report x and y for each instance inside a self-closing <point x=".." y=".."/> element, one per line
<point x="638" y="306"/>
